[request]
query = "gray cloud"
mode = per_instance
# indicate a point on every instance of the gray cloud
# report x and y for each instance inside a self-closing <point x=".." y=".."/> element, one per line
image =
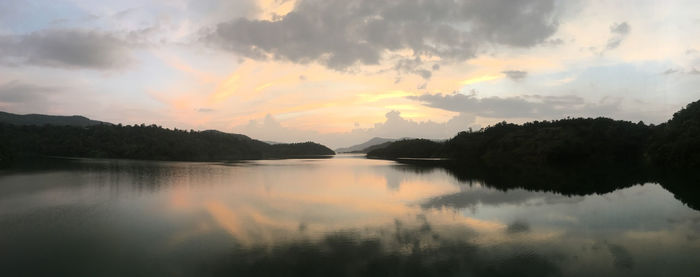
<point x="342" y="33"/>
<point x="554" y="42"/>
<point x="413" y="66"/>
<point x="18" y="92"/>
<point x="669" y="71"/>
<point x="515" y="74"/>
<point x="620" y="28"/>
<point x="65" y="48"/>
<point x="518" y="226"/>
<point x="18" y="95"/>
<point x="527" y="106"/>
<point x="124" y="13"/>
<point x="48" y="97"/>
<point x="622" y="258"/>
<point x="619" y="32"/>
<point x="691" y="71"/>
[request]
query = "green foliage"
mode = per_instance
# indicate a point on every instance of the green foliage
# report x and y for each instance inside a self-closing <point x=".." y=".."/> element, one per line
<point x="143" y="142"/>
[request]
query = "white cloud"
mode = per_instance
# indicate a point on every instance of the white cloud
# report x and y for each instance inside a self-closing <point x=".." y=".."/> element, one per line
<point x="394" y="126"/>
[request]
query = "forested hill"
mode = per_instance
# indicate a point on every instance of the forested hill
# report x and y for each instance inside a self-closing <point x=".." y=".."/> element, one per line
<point x="677" y="142"/>
<point x="141" y="142"/>
<point x="41" y="119"/>
<point x="566" y="142"/>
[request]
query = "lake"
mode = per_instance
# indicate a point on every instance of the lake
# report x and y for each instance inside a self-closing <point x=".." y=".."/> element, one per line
<point x="342" y="216"/>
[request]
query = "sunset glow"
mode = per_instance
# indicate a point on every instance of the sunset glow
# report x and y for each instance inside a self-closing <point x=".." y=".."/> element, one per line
<point x="213" y="65"/>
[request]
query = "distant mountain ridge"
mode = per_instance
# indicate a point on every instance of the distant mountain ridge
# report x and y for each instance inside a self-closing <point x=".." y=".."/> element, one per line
<point x="42" y="119"/>
<point x="362" y="146"/>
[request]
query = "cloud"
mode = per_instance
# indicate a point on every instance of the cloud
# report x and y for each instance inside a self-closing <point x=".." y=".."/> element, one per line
<point x="50" y="97"/>
<point x="394" y="126"/>
<point x="125" y="13"/>
<point x="526" y="106"/>
<point x="621" y="257"/>
<point x="669" y="71"/>
<point x="15" y="91"/>
<point x="494" y="198"/>
<point x="343" y="33"/>
<point x="66" y="48"/>
<point x="413" y="66"/>
<point x="15" y="94"/>
<point x="518" y="227"/>
<point x="620" y="28"/>
<point x="691" y="71"/>
<point x="554" y="42"/>
<point x="619" y="32"/>
<point x="515" y="75"/>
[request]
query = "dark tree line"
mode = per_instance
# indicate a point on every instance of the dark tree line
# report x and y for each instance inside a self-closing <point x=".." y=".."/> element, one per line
<point x="141" y="142"/>
<point x="566" y="142"/>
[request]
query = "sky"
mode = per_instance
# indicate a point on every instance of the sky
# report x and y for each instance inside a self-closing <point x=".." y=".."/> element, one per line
<point x="340" y="72"/>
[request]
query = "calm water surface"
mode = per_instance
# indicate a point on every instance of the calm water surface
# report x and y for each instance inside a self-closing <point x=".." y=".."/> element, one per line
<point x="345" y="216"/>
